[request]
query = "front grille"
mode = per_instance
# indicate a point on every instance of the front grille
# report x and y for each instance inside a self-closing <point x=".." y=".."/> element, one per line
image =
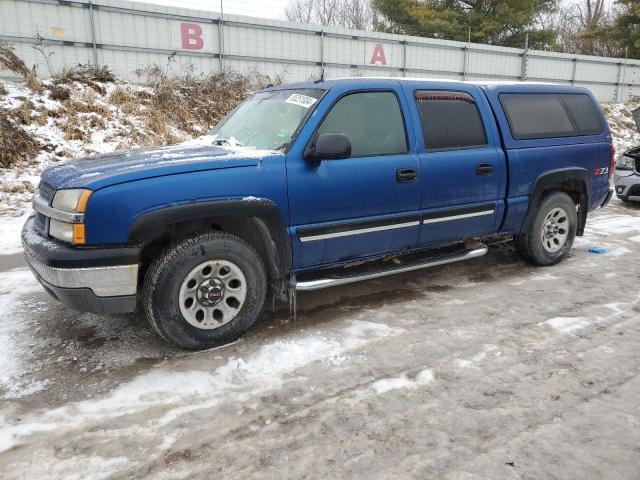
<point x="45" y="190"/>
<point x="634" y="191"/>
<point x="41" y="223"/>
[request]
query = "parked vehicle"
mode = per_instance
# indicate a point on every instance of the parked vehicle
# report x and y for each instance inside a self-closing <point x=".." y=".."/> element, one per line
<point x="312" y="185"/>
<point x="626" y="177"/>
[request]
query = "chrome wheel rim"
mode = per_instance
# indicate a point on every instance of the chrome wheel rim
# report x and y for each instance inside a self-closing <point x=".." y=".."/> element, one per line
<point x="555" y="230"/>
<point x="212" y="294"/>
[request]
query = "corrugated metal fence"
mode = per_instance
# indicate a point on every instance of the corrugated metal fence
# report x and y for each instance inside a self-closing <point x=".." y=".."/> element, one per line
<point x="126" y="36"/>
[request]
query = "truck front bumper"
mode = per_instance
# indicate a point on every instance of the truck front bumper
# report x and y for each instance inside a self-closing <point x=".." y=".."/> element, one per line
<point x="88" y="279"/>
<point x="627" y="185"/>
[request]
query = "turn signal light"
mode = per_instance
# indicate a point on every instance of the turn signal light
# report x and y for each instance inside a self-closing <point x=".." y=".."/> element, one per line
<point x="78" y="234"/>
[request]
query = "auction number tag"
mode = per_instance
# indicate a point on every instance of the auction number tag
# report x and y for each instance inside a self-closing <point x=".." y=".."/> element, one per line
<point x="301" y="100"/>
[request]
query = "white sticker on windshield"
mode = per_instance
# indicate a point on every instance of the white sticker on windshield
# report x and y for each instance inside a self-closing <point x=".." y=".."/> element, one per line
<point x="301" y="100"/>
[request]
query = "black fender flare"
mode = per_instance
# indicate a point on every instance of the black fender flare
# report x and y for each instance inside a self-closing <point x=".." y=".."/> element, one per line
<point x="265" y="214"/>
<point x="551" y="180"/>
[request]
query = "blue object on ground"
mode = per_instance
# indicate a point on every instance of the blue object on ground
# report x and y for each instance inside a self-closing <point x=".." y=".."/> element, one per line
<point x="597" y="250"/>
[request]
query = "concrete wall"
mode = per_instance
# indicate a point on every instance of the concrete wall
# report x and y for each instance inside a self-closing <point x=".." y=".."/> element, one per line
<point x="126" y="36"/>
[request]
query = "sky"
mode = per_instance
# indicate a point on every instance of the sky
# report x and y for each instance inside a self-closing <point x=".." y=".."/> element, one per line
<point x="253" y="8"/>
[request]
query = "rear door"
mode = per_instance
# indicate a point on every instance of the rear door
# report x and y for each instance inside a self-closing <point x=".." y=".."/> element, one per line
<point x="360" y="206"/>
<point x="462" y="164"/>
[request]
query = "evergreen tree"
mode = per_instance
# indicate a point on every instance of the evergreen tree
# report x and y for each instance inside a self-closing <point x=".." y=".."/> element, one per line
<point x="490" y="21"/>
<point x="626" y="29"/>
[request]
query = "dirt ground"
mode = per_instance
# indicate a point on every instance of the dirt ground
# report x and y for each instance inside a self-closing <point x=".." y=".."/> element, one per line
<point x="489" y="369"/>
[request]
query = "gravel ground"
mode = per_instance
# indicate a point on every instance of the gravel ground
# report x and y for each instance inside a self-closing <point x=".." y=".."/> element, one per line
<point x="484" y="369"/>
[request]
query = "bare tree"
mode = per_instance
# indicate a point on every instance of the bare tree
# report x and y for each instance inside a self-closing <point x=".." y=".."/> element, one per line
<point x="356" y="14"/>
<point x="591" y="19"/>
<point x="583" y="28"/>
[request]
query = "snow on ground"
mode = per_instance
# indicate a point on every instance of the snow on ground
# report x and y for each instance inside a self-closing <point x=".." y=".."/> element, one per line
<point x="239" y="378"/>
<point x="623" y="128"/>
<point x="16" y="326"/>
<point x="10" y="228"/>
<point x="419" y="376"/>
<point x="92" y="124"/>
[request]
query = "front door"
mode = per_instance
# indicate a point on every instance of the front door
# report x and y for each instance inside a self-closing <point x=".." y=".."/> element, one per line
<point x="360" y="206"/>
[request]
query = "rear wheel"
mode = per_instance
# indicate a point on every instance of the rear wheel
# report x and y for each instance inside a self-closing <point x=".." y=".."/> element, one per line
<point x="548" y="237"/>
<point x="205" y="291"/>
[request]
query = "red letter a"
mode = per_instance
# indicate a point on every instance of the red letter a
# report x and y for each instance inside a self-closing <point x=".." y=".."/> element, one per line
<point x="378" y="55"/>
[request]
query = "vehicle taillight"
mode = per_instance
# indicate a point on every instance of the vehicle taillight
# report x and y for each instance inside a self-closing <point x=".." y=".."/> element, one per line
<point x="612" y="164"/>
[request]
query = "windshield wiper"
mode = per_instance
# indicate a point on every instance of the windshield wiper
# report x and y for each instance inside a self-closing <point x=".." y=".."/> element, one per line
<point x="232" y="142"/>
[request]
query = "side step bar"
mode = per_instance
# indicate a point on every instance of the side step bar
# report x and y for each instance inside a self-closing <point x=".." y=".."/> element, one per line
<point x="334" y="281"/>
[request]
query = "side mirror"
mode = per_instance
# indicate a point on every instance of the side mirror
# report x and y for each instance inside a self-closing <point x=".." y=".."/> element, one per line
<point x="330" y="146"/>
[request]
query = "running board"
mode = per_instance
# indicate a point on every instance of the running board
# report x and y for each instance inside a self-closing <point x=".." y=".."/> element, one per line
<point x="434" y="261"/>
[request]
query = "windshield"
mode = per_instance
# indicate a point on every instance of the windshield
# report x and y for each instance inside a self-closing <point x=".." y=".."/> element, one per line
<point x="266" y="120"/>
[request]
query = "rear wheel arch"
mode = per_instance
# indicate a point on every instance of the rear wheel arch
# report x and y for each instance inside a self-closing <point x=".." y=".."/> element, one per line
<point x="256" y="221"/>
<point x="572" y="181"/>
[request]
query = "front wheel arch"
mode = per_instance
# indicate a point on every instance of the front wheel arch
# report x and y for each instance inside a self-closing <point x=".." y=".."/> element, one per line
<point x="257" y="221"/>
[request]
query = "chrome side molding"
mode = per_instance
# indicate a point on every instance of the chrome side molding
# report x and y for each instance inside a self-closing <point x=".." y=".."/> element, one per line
<point x="318" y="284"/>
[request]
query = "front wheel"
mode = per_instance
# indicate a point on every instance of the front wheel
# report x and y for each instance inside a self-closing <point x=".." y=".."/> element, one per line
<point x="205" y="291"/>
<point x="547" y="239"/>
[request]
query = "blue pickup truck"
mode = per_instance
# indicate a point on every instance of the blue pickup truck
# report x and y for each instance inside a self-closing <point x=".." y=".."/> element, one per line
<point x="312" y="185"/>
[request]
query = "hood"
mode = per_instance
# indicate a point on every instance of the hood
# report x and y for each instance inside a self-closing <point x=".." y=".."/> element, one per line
<point x="104" y="170"/>
<point x="636" y="117"/>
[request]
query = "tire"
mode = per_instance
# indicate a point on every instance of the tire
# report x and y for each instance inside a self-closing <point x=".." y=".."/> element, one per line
<point x="178" y="286"/>
<point x="556" y="213"/>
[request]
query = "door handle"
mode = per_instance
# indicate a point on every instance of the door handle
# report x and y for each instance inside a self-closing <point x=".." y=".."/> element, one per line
<point x="405" y="175"/>
<point x="484" y="169"/>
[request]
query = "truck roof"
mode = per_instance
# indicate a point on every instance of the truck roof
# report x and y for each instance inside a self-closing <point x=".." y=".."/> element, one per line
<point x="485" y="85"/>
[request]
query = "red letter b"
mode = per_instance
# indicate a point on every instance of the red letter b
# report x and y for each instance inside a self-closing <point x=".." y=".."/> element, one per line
<point x="191" y="36"/>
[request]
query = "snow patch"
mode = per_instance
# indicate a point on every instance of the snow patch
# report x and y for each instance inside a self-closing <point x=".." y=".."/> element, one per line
<point x="15" y="323"/>
<point x="182" y="392"/>
<point x="568" y="324"/>
<point x="10" y="228"/>
<point x="424" y="377"/>
<point x="478" y="357"/>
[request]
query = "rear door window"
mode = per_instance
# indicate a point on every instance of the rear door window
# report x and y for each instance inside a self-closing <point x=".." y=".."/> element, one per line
<point x="372" y="121"/>
<point x="585" y="114"/>
<point x="449" y="120"/>
<point x="533" y="115"/>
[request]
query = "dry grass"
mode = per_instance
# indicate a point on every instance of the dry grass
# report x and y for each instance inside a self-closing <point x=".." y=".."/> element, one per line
<point x="33" y="82"/>
<point x="89" y="75"/>
<point x="191" y="103"/>
<point x="16" y="146"/>
<point x="166" y="111"/>
<point x="10" y="61"/>
<point x="59" y="92"/>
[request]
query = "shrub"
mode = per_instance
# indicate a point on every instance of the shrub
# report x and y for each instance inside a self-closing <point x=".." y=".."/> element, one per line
<point x="60" y="93"/>
<point x="10" y="61"/>
<point x="16" y="146"/>
<point x="89" y="75"/>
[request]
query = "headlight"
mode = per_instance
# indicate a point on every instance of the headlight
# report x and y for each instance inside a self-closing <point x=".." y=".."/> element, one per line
<point x="624" y="163"/>
<point x="74" y="201"/>
<point x="71" y="201"/>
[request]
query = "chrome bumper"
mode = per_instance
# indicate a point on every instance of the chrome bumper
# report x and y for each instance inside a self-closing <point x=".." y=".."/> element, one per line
<point x="121" y="280"/>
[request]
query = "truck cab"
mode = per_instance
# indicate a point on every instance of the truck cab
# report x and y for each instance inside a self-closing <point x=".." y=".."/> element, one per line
<point x="312" y="185"/>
